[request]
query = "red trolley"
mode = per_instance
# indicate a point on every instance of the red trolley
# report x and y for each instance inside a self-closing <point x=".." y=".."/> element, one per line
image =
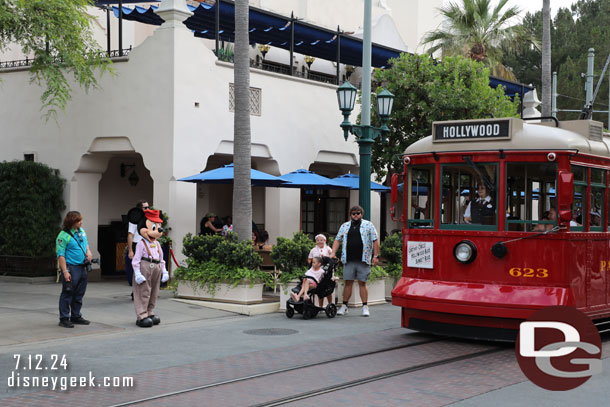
<point x="501" y="217"/>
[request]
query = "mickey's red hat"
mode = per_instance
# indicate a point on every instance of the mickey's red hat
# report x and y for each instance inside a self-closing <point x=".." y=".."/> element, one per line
<point x="153" y="215"/>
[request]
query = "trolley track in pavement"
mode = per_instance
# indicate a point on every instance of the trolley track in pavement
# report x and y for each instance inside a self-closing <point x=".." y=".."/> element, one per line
<point x="277" y="371"/>
<point x="166" y="397"/>
<point x="374" y="378"/>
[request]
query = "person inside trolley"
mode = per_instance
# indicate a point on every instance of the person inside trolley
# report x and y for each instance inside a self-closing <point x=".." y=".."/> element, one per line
<point x="483" y="209"/>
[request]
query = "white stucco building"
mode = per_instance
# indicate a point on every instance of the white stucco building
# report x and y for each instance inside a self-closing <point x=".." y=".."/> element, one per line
<point x="166" y="114"/>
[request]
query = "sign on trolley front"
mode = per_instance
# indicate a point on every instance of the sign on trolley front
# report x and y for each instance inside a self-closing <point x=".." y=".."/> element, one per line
<point x="420" y="254"/>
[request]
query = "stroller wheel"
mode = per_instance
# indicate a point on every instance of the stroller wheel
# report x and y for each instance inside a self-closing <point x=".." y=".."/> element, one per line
<point x="289" y="312"/>
<point x="331" y="310"/>
<point x="306" y="313"/>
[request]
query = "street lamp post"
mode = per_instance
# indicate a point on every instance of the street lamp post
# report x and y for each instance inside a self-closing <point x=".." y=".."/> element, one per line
<point x="365" y="135"/>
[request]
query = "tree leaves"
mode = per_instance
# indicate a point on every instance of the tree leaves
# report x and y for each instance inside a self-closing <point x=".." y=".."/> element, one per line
<point x="427" y="91"/>
<point x="58" y="36"/>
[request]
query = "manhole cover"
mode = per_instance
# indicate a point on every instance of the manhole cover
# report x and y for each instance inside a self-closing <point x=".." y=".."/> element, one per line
<point x="271" y="331"/>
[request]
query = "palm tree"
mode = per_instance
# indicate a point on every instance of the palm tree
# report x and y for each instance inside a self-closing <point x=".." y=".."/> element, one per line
<point x="546" y="58"/>
<point x="242" y="191"/>
<point x="474" y="30"/>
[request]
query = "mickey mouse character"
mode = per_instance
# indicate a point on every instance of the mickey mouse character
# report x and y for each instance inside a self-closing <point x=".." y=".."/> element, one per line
<point x="148" y="265"/>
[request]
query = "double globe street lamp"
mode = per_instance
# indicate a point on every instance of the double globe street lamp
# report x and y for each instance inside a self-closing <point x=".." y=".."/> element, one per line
<point x="365" y="135"/>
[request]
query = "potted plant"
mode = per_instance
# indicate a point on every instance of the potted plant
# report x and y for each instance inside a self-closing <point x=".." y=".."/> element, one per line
<point x="219" y="269"/>
<point x="290" y="257"/>
<point x="375" y="284"/>
<point x="391" y="252"/>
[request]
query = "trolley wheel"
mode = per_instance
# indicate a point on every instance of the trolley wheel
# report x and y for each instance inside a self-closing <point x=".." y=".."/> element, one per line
<point x="331" y="310"/>
<point x="289" y="312"/>
<point x="306" y="313"/>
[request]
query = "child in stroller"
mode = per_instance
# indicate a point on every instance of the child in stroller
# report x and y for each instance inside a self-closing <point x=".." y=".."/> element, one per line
<point x="317" y="281"/>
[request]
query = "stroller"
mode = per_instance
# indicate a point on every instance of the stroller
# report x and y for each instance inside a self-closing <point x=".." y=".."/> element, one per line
<point x="324" y="288"/>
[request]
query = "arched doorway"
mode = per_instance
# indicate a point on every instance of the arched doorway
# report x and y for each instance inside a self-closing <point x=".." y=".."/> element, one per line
<point x="124" y="182"/>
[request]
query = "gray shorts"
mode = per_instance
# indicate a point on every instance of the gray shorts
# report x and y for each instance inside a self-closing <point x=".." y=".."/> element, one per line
<point x="356" y="270"/>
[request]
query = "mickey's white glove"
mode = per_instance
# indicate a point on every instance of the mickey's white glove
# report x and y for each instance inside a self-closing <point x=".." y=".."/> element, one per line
<point x="139" y="277"/>
<point x="164" y="277"/>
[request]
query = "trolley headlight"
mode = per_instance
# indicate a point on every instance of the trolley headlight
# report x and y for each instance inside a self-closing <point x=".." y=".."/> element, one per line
<point x="465" y="252"/>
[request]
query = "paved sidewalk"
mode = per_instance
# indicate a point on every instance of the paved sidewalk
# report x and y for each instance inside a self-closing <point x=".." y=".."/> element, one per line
<point x="195" y="345"/>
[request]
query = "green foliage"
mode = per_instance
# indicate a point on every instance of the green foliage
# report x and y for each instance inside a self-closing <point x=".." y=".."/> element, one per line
<point x="31" y="198"/>
<point x="229" y="252"/>
<point x="226" y="53"/>
<point x="475" y="29"/>
<point x="377" y="272"/>
<point x="427" y="91"/>
<point x="391" y="250"/>
<point x="72" y="51"/>
<point x="213" y="272"/>
<point x="290" y="256"/>
<point x="573" y="31"/>
<point x="212" y="259"/>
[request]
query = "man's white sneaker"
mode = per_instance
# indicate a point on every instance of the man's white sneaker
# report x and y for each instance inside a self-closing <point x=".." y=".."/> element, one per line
<point x="365" y="311"/>
<point x="342" y="310"/>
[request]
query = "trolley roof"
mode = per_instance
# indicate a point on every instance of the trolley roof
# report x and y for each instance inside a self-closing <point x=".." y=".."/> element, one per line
<point x="586" y="136"/>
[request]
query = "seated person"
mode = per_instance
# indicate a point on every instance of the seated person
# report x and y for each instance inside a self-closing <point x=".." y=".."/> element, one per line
<point x="260" y="242"/>
<point x="311" y="280"/>
<point x="207" y="225"/>
<point x="551" y="215"/>
<point x="227" y="226"/>
<point x="596" y="217"/>
<point x="483" y="209"/>
<point x="321" y="249"/>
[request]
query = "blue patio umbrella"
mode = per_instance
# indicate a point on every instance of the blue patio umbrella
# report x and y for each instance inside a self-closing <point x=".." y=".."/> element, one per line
<point x="224" y="175"/>
<point x="352" y="181"/>
<point x="309" y="180"/>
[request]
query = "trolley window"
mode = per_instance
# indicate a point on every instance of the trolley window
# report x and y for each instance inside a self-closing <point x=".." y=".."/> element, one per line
<point x="420" y="188"/>
<point x="469" y="196"/>
<point x="530" y="196"/>
<point x="598" y="191"/>
<point x="579" y="203"/>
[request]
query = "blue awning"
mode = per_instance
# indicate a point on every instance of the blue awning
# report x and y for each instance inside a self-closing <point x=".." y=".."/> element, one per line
<point x="275" y="30"/>
<point x="271" y="29"/>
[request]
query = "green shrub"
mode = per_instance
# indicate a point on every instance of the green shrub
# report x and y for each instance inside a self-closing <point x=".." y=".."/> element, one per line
<point x="212" y="259"/>
<point x="31" y="198"/>
<point x="290" y="256"/>
<point x="377" y="272"/>
<point x="391" y="251"/>
<point x="213" y="272"/>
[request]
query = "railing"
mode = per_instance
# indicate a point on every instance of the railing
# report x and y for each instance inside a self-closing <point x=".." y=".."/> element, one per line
<point x="285" y="70"/>
<point x="29" y="61"/>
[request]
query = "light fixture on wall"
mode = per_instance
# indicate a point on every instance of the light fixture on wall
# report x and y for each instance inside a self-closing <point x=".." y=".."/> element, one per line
<point x="133" y="177"/>
<point x="309" y="60"/>
<point x="263" y="48"/>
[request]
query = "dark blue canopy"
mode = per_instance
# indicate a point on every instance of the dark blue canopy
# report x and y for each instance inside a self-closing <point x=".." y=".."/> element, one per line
<point x="275" y="30"/>
<point x="271" y="29"/>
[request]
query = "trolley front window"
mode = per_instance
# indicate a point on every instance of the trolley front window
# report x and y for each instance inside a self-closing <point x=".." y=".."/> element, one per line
<point x="469" y="196"/>
<point x="420" y="196"/>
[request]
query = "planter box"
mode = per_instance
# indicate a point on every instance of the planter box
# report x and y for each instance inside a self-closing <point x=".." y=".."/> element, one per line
<point x="240" y="294"/>
<point x="285" y="291"/>
<point x="376" y="293"/>
<point x="389" y="286"/>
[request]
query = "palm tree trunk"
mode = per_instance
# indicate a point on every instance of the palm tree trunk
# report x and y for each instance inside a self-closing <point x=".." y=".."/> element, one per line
<point x="242" y="191"/>
<point x="546" y="58"/>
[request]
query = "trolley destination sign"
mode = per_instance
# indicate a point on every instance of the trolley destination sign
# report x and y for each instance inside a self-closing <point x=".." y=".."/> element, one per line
<point x="472" y="130"/>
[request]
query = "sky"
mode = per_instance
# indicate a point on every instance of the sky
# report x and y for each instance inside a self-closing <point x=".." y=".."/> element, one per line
<point x="535" y="5"/>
